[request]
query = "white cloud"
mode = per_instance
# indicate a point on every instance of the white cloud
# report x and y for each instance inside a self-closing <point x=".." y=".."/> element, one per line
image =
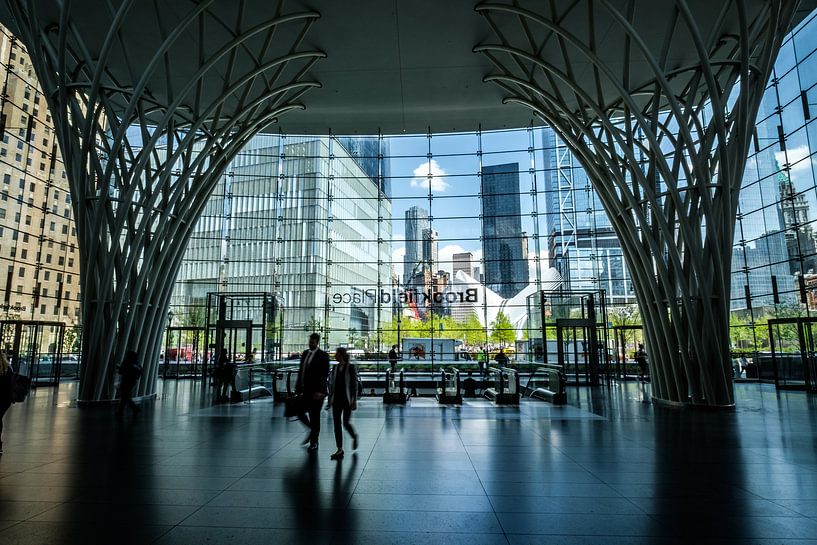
<point x="437" y="176"/>
<point x="446" y="256"/>
<point x="797" y="160"/>
<point x="532" y="265"/>
<point x="397" y="261"/>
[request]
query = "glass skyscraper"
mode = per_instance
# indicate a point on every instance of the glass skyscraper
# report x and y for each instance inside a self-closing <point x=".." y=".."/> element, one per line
<point x="505" y="246"/>
<point x="298" y="218"/>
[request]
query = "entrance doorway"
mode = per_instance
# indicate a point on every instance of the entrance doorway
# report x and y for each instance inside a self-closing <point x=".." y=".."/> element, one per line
<point x="794" y="361"/>
<point x="578" y="349"/>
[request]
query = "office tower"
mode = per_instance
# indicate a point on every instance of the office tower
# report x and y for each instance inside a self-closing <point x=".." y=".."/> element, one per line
<point x="264" y="233"/>
<point x="463" y="262"/>
<point x="582" y="245"/>
<point x="506" y="267"/>
<point x="416" y="224"/>
<point x="430" y="248"/>
<point x="370" y="153"/>
<point x="800" y="239"/>
<point x="39" y="260"/>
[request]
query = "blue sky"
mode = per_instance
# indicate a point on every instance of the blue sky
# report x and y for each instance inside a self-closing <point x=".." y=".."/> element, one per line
<point x="453" y="162"/>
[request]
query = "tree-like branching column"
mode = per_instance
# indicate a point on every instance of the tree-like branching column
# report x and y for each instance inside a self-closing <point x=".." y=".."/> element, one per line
<point x="151" y="101"/>
<point x="657" y="101"/>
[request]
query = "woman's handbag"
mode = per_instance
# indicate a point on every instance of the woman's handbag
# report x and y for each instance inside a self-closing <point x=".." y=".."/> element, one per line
<point x="294" y="406"/>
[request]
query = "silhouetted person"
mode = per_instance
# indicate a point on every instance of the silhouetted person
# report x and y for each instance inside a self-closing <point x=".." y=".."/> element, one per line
<point x="393" y="358"/>
<point x="641" y="360"/>
<point x="130" y="371"/>
<point x="469" y="386"/>
<point x="224" y="375"/>
<point x="501" y="359"/>
<point x="6" y="391"/>
<point x="311" y="384"/>
<point x="343" y="399"/>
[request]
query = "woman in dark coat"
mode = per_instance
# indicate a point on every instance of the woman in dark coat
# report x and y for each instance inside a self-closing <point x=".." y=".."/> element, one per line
<point x="343" y="399"/>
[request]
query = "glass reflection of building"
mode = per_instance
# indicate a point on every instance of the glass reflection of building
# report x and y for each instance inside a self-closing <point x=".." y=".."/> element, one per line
<point x="297" y="217"/>
<point x="505" y="246"/>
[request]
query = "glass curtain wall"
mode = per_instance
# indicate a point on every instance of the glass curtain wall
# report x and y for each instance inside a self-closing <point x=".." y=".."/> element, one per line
<point x="418" y="239"/>
<point x="429" y="242"/>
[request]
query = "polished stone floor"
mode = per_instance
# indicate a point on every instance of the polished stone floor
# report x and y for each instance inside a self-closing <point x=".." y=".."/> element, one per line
<point x="608" y="468"/>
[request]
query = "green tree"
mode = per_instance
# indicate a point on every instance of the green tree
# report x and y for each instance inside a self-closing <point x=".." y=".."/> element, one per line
<point x="624" y="315"/>
<point x="71" y="339"/>
<point x="473" y="332"/>
<point x="740" y="331"/>
<point x="313" y="325"/>
<point x="388" y="336"/>
<point x="502" y="330"/>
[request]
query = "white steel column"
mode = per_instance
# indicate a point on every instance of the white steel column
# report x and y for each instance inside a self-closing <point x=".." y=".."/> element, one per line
<point x="147" y="126"/>
<point x="665" y="150"/>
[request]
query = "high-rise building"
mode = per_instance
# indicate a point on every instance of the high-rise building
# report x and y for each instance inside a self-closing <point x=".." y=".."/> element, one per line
<point x="39" y="260"/>
<point x="416" y="223"/>
<point x="430" y="248"/>
<point x="371" y="154"/>
<point x="504" y="243"/>
<point x="270" y="226"/>
<point x="463" y="262"/>
<point x="582" y="245"/>
<point x="800" y="238"/>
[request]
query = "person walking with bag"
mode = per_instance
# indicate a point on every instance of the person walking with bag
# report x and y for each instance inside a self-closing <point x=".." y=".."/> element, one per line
<point x="6" y="391"/>
<point x="130" y="371"/>
<point x="311" y="385"/>
<point x="343" y="399"/>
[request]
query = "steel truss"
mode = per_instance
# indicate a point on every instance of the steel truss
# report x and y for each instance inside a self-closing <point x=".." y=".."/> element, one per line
<point x="141" y="165"/>
<point x="666" y="155"/>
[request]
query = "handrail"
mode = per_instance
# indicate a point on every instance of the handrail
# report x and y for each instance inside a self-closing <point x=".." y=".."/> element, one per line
<point x="557" y="393"/>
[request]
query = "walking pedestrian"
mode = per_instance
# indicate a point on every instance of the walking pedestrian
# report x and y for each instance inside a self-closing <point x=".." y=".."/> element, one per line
<point x="130" y="371"/>
<point x="343" y="399"/>
<point x="393" y="358"/>
<point x="641" y="360"/>
<point x="311" y="384"/>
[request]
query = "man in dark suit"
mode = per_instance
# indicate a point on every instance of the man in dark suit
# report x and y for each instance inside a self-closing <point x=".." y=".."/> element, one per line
<point x="312" y="378"/>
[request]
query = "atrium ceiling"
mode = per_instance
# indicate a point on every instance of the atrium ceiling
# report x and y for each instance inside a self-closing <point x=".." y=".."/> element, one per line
<point x="395" y="67"/>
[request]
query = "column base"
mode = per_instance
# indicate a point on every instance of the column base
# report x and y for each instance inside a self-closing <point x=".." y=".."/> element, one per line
<point x="82" y="404"/>
<point x="658" y="402"/>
